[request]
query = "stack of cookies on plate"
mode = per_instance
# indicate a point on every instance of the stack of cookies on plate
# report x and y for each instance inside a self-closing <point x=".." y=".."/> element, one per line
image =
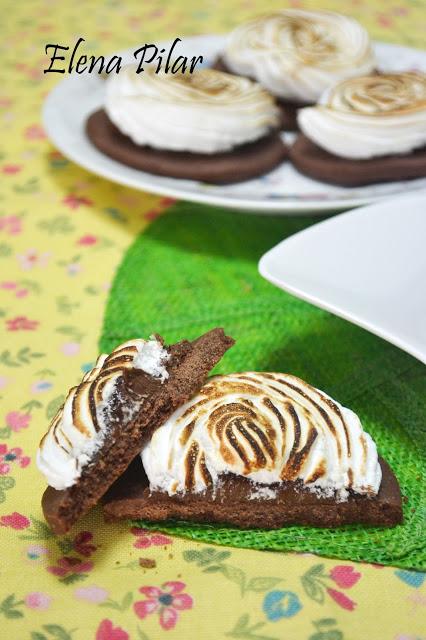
<point x="293" y="70"/>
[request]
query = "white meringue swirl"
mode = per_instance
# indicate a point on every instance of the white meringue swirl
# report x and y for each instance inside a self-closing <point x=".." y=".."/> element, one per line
<point x="78" y="429"/>
<point x="297" y="54"/>
<point x="269" y="427"/>
<point x="204" y="112"/>
<point x="371" y="116"/>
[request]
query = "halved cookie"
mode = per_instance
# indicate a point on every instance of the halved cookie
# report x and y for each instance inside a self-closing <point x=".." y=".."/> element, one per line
<point x="260" y="450"/>
<point x="107" y="419"/>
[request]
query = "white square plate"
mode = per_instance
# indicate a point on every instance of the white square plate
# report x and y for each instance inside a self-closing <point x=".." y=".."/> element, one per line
<point x="366" y="265"/>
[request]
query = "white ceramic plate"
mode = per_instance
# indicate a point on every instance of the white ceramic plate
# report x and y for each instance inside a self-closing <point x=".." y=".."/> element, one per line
<point x="284" y="190"/>
<point x="367" y="266"/>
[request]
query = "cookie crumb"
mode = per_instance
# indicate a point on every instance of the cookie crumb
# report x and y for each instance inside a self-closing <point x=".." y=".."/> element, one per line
<point x="147" y="563"/>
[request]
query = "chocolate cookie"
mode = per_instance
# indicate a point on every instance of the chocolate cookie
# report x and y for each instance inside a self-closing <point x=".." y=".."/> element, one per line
<point x="188" y="366"/>
<point x="321" y="165"/>
<point x="288" y="108"/>
<point x="242" y="163"/>
<point x="239" y="502"/>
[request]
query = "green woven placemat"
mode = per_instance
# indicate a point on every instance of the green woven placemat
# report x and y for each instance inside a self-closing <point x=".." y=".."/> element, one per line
<point x="196" y="268"/>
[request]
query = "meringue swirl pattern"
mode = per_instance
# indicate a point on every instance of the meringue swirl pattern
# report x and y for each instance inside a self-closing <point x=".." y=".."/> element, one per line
<point x="78" y="429"/>
<point x="371" y="116"/>
<point x="268" y="427"/>
<point x="204" y="112"/>
<point x="297" y="54"/>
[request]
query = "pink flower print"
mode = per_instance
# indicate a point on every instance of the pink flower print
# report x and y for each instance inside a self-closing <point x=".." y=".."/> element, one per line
<point x="68" y="565"/>
<point x="17" y="420"/>
<point x="14" y="520"/>
<point x="37" y="600"/>
<point x="11" y="169"/>
<point x="106" y="631"/>
<point x="93" y="594"/>
<point x="35" y="132"/>
<point x="11" y="225"/>
<point x="341" y="599"/>
<point x="70" y="348"/>
<point x="32" y="258"/>
<point x="344" y="576"/>
<point x="3" y="382"/>
<point x="166" y="201"/>
<point x="87" y="240"/>
<point x="35" y="553"/>
<point x="400" y="11"/>
<point x="146" y="538"/>
<point x="384" y="20"/>
<point x="21" y="323"/>
<point x="152" y="214"/>
<point x="74" y="202"/>
<point x="8" y="285"/>
<point x="44" y="28"/>
<point x="167" y="601"/>
<point x="7" y="457"/>
<point x="5" y="102"/>
<point x="82" y="543"/>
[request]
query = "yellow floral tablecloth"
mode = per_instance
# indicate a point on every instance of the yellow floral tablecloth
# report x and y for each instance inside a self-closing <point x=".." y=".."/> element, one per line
<point x="62" y="233"/>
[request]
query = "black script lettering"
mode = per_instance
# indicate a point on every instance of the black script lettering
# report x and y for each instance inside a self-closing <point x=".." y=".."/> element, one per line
<point x="160" y="61"/>
<point x="54" y="57"/>
<point x="169" y="57"/>
<point x="94" y="61"/>
<point x="114" y="63"/>
<point x="194" y="62"/>
<point x="81" y="65"/>
<point x="143" y="50"/>
<point x="77" y="44"/>
<point x="181" y="65"/>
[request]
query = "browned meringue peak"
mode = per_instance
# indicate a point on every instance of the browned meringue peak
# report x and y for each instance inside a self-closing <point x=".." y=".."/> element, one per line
<point x="382" y="94"/>
<point x="80" y="425"/>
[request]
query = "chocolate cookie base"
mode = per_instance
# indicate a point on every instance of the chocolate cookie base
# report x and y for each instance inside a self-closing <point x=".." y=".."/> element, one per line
<point x="288" y="108"/>
<point x="242" y="163"/>
<point x="234" y="503"/>
<point x="321" y="165"/>
<point x="188" y="368"/>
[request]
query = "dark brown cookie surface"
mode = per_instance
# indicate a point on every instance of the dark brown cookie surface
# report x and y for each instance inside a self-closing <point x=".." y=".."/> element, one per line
<point x="234" y="502"/>
<point x="188" y="367"/>
<point x="288" y="108"/>
<point x="242" y="163"/>
<point x="321" y="165"/>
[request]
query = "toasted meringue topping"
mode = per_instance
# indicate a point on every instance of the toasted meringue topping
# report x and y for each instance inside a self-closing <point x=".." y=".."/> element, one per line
<point x="269" y="427"/>
<point x="296" y="54"/>
<point x="79" y="428"/>
<point x="384" y="94"/>
<point x="369" y="116"/>
<point x="205" y="112"/>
